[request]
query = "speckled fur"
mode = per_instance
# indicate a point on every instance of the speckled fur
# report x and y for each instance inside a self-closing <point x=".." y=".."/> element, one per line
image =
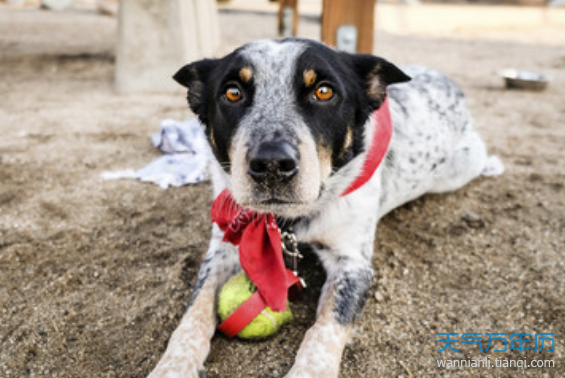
<point x="434" y="149"/>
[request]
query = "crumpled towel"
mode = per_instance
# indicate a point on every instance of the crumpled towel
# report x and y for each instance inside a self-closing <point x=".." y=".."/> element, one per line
<point x="185" y="161"/>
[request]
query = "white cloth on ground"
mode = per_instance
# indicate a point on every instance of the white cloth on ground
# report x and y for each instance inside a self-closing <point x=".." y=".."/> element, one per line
<point x="185" y="161"/>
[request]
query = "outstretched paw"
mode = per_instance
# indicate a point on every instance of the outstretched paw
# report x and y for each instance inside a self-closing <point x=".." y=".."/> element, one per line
<point x="176" y="368"/>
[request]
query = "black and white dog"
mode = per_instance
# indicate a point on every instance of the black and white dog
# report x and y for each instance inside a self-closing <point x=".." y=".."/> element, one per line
<point x="289" y="123"/>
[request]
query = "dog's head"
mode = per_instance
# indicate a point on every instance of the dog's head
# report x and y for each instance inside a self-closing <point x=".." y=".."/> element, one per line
<point x="286" y="118"/>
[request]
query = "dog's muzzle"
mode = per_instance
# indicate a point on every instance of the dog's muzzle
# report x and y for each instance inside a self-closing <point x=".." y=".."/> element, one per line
<point x="273" y="162"/>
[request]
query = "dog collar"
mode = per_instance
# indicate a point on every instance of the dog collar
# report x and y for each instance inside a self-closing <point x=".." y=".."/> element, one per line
<point x="379" y="146"/>
<point x="259" y="239"/>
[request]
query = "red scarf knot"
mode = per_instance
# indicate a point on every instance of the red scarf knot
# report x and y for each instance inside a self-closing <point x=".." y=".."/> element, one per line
<point x="260" y="249"/>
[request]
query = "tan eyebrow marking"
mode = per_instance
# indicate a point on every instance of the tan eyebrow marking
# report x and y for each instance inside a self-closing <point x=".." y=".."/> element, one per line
<point x="310" y="77"/>
<point x="245" y="74"/>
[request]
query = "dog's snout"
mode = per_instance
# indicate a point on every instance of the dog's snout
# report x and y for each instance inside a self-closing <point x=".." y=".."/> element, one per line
<point x="276" y="159"/>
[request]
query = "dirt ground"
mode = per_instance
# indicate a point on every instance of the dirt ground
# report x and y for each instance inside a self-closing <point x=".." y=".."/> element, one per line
<point x="95" y="275"/>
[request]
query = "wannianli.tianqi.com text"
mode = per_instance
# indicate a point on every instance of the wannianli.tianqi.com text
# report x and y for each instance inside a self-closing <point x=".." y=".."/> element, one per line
<point x="495" y="363"/>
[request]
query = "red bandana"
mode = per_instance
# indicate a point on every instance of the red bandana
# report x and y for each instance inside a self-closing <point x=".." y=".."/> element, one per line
<point x="260" y="250"/>
<point x="259" y="240"/>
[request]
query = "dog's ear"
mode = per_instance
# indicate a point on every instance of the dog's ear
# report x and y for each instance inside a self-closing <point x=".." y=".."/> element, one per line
<point x="194" y="76"/>
<point x="376" y="74"/>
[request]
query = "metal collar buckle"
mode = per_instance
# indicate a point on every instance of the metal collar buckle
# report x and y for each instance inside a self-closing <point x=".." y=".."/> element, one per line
<point x="290" y="249"/>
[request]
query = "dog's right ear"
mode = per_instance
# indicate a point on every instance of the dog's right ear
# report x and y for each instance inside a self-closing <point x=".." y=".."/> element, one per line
<point x="194" y="76"/>
<point x="377" y="74"/>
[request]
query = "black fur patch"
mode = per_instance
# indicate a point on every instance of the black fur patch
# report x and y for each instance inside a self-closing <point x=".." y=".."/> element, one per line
<point x="207" y="81"/>
<point x="349" y="75"/>
<point x="351" y="295"/>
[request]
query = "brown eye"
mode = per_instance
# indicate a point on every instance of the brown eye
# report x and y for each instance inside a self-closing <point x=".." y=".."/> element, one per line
<point x="324" y="93"/>
<point x="233" y="94"/>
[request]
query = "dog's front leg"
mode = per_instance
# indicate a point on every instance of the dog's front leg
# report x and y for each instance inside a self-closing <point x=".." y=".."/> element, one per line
<point x="190" y="342"/>
<point x="342" y="300"/>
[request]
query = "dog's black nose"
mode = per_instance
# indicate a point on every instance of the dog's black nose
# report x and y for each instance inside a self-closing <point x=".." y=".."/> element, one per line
<point x="277" y="160"/>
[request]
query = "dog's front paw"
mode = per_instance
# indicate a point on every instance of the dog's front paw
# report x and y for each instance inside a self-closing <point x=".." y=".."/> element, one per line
<point x="177" y="368"/>
<point x="312" y="373"/>
<point x="319" y="355"/>
<point x="314" y="368"/>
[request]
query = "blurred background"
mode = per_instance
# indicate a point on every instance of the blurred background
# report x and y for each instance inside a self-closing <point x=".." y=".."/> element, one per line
<point x="95" y="275"/>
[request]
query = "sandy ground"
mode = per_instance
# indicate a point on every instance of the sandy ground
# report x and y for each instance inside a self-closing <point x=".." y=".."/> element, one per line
<point x="94" y="275"/>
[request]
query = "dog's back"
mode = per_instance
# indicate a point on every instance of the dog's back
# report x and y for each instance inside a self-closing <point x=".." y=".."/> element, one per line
<point x="435" y="147"/>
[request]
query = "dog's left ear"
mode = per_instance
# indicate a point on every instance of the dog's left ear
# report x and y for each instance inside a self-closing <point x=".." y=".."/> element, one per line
<point x="377" y="73"/>
<point x="194" y="77"/>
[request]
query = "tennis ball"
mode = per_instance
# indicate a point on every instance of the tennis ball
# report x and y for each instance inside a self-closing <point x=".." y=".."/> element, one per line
<point x="236" y="291"/>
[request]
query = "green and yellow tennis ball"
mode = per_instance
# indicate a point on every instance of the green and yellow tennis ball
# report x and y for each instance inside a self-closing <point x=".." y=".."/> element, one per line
<point x="236" y="291"/>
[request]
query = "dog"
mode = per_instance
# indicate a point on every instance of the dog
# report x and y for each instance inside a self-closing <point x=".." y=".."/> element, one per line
<point x="290" y="125"/>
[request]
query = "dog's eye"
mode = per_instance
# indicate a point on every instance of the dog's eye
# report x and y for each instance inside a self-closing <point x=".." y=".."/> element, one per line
<point x="233" y="94"/>
<point x="324" y="93"/>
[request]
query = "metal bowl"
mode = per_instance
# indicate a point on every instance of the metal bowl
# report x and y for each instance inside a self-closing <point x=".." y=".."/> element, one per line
<point x="524" y="80"/>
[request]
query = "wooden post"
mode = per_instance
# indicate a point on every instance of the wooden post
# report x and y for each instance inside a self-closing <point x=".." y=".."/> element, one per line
<point x="359" y="13"/>
<point x="284" y="5"/>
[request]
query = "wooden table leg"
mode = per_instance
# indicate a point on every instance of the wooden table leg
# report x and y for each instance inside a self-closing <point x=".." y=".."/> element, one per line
<point x="284" y="7"/>
<point x="358" y="13"/>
